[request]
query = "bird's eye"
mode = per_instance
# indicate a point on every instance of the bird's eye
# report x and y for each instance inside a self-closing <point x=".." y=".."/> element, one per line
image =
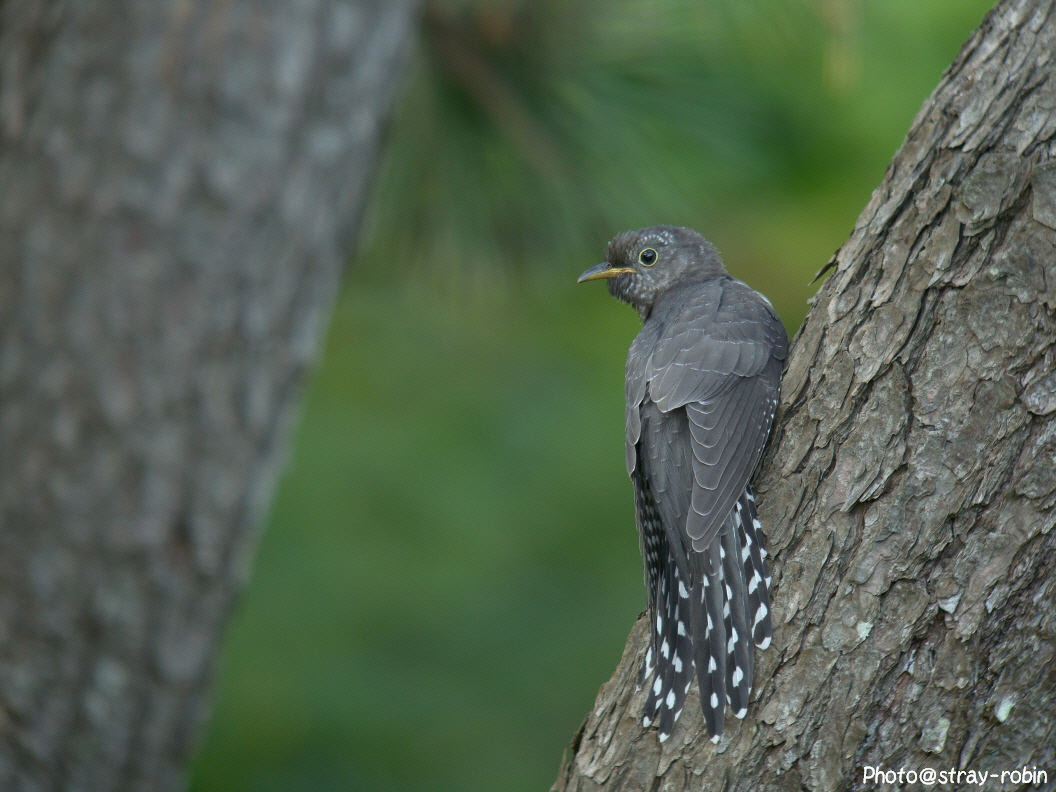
<point x="647" y="257"/>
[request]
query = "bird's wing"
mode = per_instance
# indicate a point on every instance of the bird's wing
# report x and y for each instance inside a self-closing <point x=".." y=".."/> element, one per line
<point x="717" y="352"/>
<point x="636" y="383"/>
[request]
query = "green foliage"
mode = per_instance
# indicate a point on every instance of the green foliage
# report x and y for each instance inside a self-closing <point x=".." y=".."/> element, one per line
<point x="450" y="568"/>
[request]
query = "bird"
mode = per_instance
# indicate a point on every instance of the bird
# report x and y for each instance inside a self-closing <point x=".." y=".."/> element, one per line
<point x="703" y="383"/>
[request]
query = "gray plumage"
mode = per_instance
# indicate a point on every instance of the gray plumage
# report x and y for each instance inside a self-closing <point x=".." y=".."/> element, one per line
<point x="703" y="381"/>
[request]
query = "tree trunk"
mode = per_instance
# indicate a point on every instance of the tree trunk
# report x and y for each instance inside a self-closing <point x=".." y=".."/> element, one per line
<point x="909" y="490"/>
<point x="179" y="186"/>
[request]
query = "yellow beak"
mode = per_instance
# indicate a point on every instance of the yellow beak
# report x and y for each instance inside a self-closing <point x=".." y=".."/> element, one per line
<point x="602" y="270"/>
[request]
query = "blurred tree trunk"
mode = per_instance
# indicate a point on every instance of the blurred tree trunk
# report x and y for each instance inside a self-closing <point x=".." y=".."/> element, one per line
<point x="179" y="186"/>
<point x="910" y="486"/>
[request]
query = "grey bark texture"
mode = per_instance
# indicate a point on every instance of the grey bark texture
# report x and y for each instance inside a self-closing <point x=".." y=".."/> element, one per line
<point x="179" y="186"/>
<point x="908" y="493"/>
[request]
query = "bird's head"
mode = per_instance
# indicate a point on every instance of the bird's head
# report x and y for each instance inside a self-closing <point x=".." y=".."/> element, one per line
<point x="642" y="265"/>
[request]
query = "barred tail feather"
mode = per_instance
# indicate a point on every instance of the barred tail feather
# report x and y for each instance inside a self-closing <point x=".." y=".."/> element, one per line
<point x="756" y="572"/>
<point x="655" y="553"/>
<point x="673" y="672"/>
<point x="709" y="642"/>
<point x="738" y="639"/>
<point x="704" y="628"/>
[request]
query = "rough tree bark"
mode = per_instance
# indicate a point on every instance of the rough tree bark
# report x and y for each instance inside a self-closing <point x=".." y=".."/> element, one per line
<point x="909" y="490"/>
<point x="179" y="185"/>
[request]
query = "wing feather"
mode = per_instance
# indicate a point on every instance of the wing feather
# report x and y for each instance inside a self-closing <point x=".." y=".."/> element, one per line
<point x="717" y="353"/>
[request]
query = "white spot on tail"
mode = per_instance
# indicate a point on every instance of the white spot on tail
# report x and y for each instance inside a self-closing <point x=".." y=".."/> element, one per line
<point x="760" y="614"/>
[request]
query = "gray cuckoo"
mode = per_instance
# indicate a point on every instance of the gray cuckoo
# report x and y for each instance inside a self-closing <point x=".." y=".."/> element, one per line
<point x="703" y="380"/>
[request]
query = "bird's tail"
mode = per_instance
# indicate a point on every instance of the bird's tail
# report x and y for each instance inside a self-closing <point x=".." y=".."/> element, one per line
<point x="735" y="557"/>
<point x="732" y="612"/>
<point x="756" y="573"/>
<point x="669" y="659"/>
<point x="706" y="628"/>
<point x="709" y="615"/>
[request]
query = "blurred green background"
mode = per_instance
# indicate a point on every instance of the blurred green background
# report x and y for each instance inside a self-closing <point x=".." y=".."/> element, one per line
<point x="450" y="568"/>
